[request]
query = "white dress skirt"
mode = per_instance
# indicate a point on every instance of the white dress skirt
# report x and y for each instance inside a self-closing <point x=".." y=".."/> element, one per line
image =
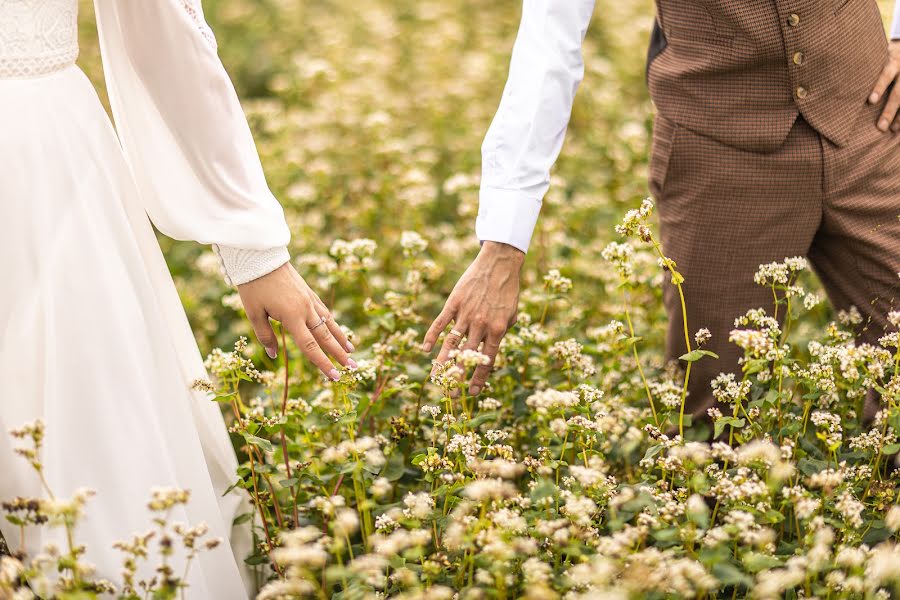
<point x="93" y="338"/>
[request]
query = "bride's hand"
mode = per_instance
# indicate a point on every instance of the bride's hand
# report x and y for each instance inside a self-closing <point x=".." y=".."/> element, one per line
<point x="284" y="296"/>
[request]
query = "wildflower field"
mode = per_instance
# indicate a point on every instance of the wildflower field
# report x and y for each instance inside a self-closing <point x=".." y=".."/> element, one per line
<point x="567" y="476"/>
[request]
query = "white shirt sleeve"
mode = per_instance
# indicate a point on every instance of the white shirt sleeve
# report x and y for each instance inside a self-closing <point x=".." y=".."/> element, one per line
<point x="527" y="133"/>
<point x="895" y="27"/>
<point x="185" y="135"/>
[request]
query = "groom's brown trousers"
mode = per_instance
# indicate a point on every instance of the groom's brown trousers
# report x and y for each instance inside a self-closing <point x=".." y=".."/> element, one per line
<point x="765" y="148"/>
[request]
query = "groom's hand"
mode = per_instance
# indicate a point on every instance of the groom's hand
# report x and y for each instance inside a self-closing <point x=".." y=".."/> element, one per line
<point x="889" y="75"/>
<point x="482" y="306"/>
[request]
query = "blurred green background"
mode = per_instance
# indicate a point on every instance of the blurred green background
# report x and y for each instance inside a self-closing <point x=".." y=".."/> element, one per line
<point x="369" y="116"/>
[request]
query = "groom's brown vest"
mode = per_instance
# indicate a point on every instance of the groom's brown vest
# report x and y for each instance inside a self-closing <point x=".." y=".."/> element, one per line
<point x="741" y="71"/>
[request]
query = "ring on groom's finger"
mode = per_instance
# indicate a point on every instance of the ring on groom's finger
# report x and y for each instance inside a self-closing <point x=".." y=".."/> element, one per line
<point x="456" y="333"/>
<point x="321" y="322"/>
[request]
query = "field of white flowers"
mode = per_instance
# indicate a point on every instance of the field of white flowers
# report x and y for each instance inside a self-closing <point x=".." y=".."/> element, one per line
<point x="565" y="478"/>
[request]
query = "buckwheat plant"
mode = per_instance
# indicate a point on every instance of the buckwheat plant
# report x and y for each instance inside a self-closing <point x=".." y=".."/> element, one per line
<point x="169" y="538"/>
<point x="64" y="573"/>
<point x="573" y="474"/>
<point x="560" y="480"/>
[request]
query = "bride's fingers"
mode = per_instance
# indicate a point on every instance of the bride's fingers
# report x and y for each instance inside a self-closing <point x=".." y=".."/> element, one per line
<point x="339" y="335"/>
<point x="259" y="320"/>
<point x="333" y="326"/>
<point x="308" y="345"/>
<point x="327" y="341"/>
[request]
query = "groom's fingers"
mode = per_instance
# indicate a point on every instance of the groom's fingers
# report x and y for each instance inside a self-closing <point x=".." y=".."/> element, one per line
<point x="474" y="336"/>
<point x="490" y="349"/>
<point x="451" y="342"/>
<point x="888" y="74"/>
<point x="890" y="110"/>
<point x="892" y="107"/>
<point x="440" y="323"/>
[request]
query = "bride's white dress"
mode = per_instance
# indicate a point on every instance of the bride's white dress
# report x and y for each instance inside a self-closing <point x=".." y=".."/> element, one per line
<point x="93" y="338"/>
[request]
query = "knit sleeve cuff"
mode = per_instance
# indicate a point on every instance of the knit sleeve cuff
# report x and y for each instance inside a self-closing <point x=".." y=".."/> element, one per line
<point x="243" y="266"/>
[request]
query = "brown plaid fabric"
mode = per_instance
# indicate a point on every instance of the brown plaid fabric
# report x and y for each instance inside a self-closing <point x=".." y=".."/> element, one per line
<point x="725" y="210"/>
<point x="740" y="71"/>
<point x="765" y="148"/>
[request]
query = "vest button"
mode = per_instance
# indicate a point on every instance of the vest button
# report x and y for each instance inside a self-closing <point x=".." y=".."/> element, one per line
<point x="802" y="92"/>
<point x="793" y="19"/>
<point x="799" y="58"/>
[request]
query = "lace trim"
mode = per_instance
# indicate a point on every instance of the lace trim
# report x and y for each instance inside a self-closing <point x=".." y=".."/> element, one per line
<point x="37" y="37"/>
<point x="200" y="22"/>
<point x="26" y="67"/>
<point x="242" y="266"/>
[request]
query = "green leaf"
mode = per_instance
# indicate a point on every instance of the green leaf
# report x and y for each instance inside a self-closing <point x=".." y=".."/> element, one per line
<point x="257" y="559"/>
<point x="877" y="534"/>
<point x="669" y="534"/>
<point x="259" y="442"/>
<point x="730" y="574"/>
<point x="363" y="404"/>
<point x="756" y="562"/>
<point x="811" y="466"/>
<point x="241" y="519"/>
<point x="350" y="417"/>
<point x="483" y="418"/>
<point x="311" y="478"/>
<point x="721" y="423"/>
<point x="691" y="356"/>
<point x="773" y="516"/>
<point x="652" y="451"/>
<point x="243" y="376"/>
<point x="695" y="355"/>
<point x="394" y="467"/>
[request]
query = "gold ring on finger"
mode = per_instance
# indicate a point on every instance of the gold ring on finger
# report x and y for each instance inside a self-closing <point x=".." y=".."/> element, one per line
<point x="456" y="333"/>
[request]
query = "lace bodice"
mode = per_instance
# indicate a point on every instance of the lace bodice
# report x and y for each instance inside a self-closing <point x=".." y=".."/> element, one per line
<point x="37" y="36"/>
<point x="207" y="183"/>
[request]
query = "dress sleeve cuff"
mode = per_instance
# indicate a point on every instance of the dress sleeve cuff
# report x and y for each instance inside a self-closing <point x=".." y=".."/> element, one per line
<point x="507" y="216"/>
<point x="895" y="25"/>
<point x="242" y="266"/>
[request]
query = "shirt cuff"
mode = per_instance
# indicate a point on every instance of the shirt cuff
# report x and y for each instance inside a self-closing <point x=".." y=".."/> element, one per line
<point x="507" y="216"/>
<point x="243" y="266"/>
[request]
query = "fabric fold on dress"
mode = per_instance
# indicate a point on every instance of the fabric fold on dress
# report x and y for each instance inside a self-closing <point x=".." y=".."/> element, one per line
<point x="182" y="128"/>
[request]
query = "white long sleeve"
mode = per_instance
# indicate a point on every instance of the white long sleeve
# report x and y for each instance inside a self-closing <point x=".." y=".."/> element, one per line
<point x="527" y="133"/>
<point x="895" y="25"/>
<point x="185" y="135"/>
